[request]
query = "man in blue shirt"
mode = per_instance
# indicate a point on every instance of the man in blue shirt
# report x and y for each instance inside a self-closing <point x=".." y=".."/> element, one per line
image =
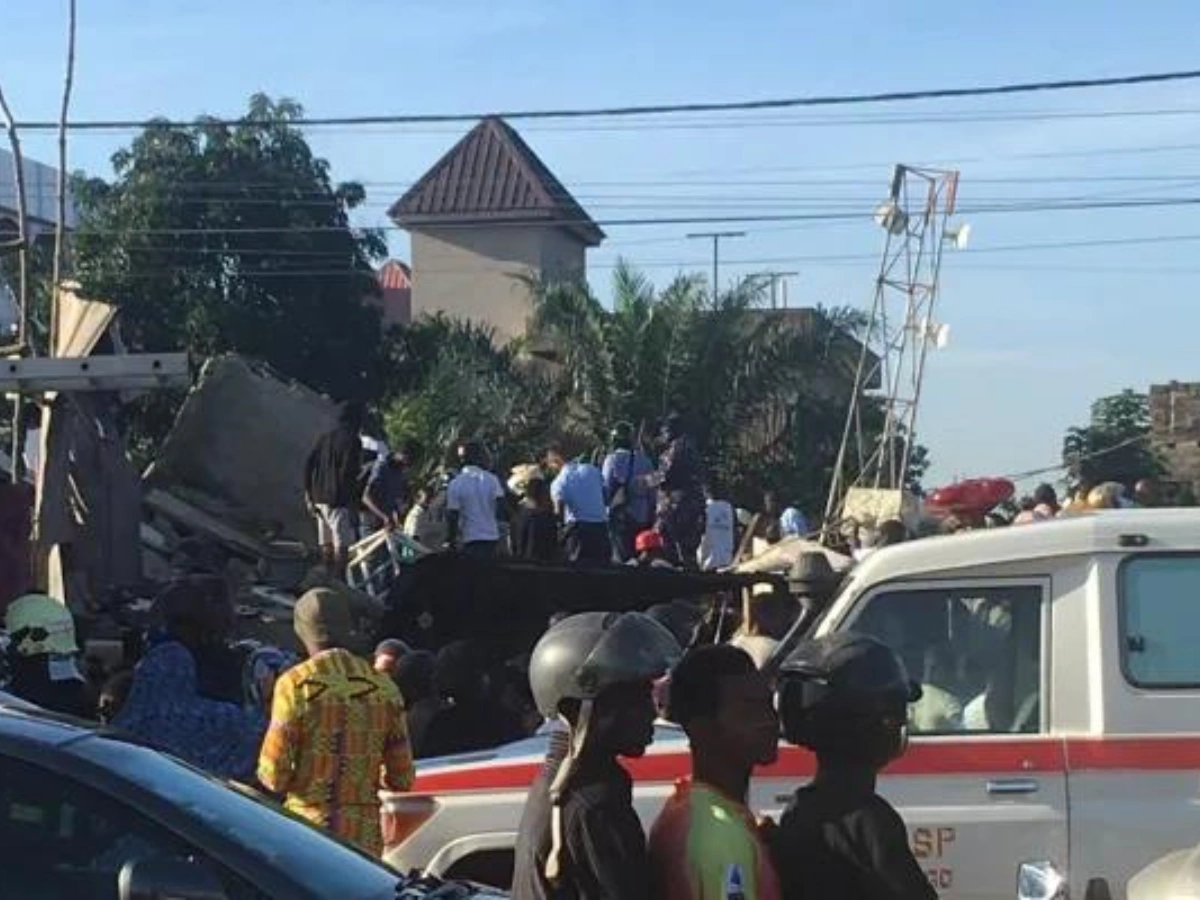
<point x="628" y="491"/>
<point x="792" y="523"/>
<point x="578" y="495"/>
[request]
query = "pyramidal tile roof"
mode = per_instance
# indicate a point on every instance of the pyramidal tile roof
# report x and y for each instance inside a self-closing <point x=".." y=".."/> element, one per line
<point x="492" y="175"/>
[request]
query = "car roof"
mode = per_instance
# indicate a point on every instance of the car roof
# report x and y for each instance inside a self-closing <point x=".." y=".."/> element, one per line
<point x="25" y="723"/>
<point x="1086" y="534"/>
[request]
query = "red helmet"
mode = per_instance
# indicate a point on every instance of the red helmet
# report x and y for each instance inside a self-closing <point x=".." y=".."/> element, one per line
<point x="648" y="540"/>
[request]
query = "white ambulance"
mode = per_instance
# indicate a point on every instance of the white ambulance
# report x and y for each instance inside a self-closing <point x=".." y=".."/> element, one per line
<point x="1058" y="735"/>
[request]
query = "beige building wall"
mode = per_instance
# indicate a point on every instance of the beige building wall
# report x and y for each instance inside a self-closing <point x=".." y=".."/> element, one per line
<point x="562" y="255"/>
<point x="475" y="273"/>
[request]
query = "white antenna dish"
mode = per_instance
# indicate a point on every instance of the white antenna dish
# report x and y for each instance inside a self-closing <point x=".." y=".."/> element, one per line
<point x="941" y="336"/>
<point x="937" y="334"/>
<point x="959" y="236"/>
<point x="891" y="218"/>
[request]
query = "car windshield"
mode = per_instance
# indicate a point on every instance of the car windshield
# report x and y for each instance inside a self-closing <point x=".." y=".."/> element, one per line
<point x="330" y="869"/>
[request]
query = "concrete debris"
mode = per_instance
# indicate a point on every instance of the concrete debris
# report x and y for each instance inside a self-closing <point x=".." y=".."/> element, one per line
<point x="238" y="448"/>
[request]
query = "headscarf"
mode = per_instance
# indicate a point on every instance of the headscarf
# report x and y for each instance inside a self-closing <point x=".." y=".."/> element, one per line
<point x="166" y="710"/>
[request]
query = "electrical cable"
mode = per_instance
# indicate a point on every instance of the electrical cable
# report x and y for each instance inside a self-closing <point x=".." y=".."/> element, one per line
<point x="1069" y="205"/>
<point x="1026" y="87"/>
<point x="1075" y="460"/>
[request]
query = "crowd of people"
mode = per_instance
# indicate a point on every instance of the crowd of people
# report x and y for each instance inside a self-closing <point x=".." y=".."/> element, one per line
<point x="560" y="508"/>
<point x="322" y="730"/>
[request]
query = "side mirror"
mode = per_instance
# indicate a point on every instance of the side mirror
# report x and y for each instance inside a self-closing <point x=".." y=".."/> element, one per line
<point x="1040" y="881"/>
<point x="168" y="878"/>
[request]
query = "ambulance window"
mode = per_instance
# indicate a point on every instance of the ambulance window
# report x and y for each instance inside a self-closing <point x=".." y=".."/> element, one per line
<point x="975" y="650"/>
<point x="1160" y="621"/>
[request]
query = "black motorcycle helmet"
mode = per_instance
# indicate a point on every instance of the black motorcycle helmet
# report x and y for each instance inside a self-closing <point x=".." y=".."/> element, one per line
<point x="845" y="696"/>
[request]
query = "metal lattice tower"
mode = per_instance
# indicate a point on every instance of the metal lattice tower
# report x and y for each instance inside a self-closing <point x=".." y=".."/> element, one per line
<point x="901" y="331"/>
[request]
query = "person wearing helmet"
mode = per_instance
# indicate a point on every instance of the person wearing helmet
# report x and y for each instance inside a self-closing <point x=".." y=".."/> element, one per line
<point x="651" y="551"/>
<point x="627" y="471"/>
<point x="845" y="696"/>
<point x="580" y="838"/>
<point x="42" y="655"/>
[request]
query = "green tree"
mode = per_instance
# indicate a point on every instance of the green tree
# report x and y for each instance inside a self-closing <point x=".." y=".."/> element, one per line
<point x="219" y="238"/>
<point x="1114" y="445"/>
<point x="451" y="381"/>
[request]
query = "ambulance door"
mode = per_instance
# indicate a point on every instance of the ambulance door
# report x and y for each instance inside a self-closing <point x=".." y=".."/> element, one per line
<point x="1135" y="795"/>
<point x="983" y="785"/>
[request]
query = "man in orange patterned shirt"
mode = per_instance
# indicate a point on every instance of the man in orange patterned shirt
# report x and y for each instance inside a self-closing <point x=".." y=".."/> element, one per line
<point x="337" y="732"/>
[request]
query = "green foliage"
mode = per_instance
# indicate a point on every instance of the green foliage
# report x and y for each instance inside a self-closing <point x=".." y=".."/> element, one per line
<point x="1114" y="445"/>
<point x="453" y="383"/>
<point x="222" y="238"/>
<point x="41" y="267"/>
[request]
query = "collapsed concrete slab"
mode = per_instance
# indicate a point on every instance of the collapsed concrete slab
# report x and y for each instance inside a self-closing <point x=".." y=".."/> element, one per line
<point x="238" y="448"/>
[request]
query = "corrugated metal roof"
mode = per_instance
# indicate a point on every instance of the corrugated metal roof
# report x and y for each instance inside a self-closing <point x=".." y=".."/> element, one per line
<point x="492" y="175"/>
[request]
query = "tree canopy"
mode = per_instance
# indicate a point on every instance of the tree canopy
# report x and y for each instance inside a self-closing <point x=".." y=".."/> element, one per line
<point x="220" y="238"/>
<point x="1114" y="445"/>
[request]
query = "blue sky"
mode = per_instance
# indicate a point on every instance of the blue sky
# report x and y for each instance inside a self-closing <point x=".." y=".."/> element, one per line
<point x="1036" y="335"/>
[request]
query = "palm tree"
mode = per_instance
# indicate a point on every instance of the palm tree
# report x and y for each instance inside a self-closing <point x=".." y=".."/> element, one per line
<point x="738" y="372"/>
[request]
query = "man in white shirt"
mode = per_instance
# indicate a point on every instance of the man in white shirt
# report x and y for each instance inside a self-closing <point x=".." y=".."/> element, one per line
<point x="716" y="547"/>
<point x="472" y="502"/>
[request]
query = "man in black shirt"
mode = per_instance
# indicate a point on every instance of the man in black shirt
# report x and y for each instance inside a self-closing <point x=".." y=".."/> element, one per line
<point x="845" y="696"/>
<point x="332" y="489"/>
<point x="535" y="532"/>
<point x="580" y="838"/>
<point x="388" y="493"/>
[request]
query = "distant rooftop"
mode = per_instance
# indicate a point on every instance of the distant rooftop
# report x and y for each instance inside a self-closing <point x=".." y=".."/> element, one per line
<point x="41" y="192"/>
<point x="492" y="175"/>
<point x="395" y="275"/>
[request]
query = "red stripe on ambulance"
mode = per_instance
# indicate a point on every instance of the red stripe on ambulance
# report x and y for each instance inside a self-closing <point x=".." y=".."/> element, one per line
<point x="925" y="757"/>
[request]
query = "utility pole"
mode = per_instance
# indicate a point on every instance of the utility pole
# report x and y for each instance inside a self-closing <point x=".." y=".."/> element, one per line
<point x="21" y="248"/>
<point x="775" y="278"/>
<point x="715" y="237"/>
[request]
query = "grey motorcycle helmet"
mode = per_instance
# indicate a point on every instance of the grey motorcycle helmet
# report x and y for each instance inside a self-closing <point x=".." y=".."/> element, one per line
<point x="580" y="656"/>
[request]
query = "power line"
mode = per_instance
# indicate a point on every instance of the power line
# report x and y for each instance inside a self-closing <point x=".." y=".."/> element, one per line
<point x="322" y="261"/>
<point x="1069" y="205"/>
<point x="648" y="110"/>
<point x="1075" y="460"/>
<point x="1133" y="240"/>
<point x="238" y="188"/>
<point x="1135" y="150"/>
<point x="956" y="119"/>
<point x="700" y="202"/>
